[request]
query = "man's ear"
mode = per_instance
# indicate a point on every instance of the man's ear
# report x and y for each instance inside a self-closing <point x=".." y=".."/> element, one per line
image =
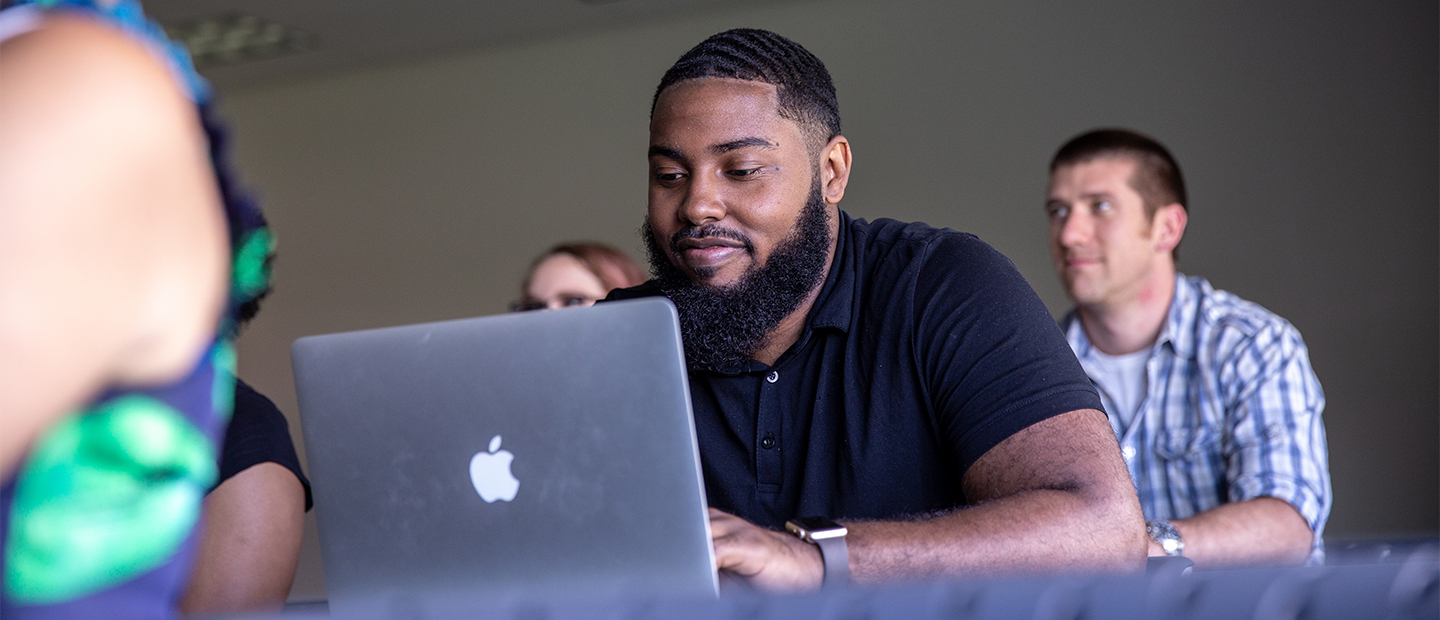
<point x="835" y="169"/>
<point x="1168" y="226"/>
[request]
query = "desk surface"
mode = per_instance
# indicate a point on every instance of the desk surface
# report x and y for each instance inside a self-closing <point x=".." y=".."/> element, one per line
<point x="1386" y="579"/>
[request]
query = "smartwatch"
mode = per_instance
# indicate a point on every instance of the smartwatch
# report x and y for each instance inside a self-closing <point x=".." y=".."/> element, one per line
<point x="1166" y="536"/>
<point x="829" y="536"/>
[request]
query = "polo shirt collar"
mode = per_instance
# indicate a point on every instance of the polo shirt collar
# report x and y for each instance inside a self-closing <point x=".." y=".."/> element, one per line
<point x="834" y="306"/>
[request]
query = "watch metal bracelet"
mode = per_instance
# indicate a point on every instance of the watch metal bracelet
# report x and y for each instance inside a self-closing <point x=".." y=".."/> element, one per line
<point x="1165" y="535"/>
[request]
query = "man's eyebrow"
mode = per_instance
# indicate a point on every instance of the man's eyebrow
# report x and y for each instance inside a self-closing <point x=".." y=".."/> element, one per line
<point x="744" y="143"/>
<point x="662" y="151"/>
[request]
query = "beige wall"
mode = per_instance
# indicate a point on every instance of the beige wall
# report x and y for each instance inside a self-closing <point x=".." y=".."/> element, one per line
<point x="420" y="192"/>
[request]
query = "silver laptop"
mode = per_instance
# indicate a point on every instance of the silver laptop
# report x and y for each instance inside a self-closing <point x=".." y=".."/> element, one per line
<point x="491" y="461"/>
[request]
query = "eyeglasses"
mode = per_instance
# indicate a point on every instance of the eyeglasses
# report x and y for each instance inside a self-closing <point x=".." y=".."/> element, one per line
<point x="564" y="301"/>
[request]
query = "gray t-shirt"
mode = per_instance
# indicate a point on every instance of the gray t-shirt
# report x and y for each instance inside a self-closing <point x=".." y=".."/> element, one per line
<point x="1122" y="383"/>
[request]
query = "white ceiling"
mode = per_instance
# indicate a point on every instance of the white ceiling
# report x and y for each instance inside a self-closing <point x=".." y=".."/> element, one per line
<point x="356" y="33"/>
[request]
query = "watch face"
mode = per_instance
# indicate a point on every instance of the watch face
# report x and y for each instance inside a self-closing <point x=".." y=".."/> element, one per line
<point x="815" y="528"/>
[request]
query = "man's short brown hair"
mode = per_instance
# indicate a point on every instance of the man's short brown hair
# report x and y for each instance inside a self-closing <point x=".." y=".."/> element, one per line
<point x="1157" y="175"/>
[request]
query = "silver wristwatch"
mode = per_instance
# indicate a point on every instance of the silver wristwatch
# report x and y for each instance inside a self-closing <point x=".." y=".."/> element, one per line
<point x="1166" y="536"/>
<point x="829" y="536"/>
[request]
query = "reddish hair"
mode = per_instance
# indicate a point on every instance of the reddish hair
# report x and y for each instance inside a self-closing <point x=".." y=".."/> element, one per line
<point x="614" y="268"/>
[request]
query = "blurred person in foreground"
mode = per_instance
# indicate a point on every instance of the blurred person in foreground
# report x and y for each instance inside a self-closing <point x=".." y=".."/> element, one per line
<point x="1212" y="397"/>
<point x="576" y="274"/>
<point x="125" y="253"/>
<point x="894" y="395"/>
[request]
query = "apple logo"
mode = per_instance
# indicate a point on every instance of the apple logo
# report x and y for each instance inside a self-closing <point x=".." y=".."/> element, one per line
<point x="490" y="473"/>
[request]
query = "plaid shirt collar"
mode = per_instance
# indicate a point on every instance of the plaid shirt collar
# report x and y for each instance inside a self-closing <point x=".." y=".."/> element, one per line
<point x="1183" y="308"/>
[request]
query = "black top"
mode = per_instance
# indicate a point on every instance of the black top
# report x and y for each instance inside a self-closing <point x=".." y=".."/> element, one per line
<point x="258" y="434"/>
<point x="924" y="349"/>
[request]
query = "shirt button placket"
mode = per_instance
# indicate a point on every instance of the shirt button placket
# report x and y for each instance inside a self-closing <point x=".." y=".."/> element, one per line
<point x="769" y="465"/>
<point x="1129" y="453"/>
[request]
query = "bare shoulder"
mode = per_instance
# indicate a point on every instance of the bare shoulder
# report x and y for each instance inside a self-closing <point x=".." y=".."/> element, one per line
<point x="1071" y="451"/>
<point x="89" y="75"/>
<point x="106" y="185"/>
<point x="73" y="46"/>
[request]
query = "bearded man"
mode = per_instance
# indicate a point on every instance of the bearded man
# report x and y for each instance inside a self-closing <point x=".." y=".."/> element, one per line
<point x="895" y="394"/>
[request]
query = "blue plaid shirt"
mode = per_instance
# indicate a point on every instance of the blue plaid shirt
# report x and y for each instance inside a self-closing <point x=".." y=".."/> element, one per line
<point x="1231" y="412"/>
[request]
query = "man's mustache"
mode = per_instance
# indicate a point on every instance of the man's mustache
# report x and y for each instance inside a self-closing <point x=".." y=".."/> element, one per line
<point x="711" y="231"/>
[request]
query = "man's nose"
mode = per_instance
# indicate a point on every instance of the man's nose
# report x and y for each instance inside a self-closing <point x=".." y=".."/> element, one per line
<point x="1076" y="229"/>
<point x="703" y="202"/>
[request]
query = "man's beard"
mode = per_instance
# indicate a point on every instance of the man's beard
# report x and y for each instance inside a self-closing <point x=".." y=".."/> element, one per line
<point x="724" y="327"/>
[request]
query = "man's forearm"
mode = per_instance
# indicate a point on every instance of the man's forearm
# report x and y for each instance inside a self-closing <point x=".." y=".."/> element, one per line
<point x="1264" y="530"/>
<point x="1054" y="496"/>
<point x="1038" y="530"/>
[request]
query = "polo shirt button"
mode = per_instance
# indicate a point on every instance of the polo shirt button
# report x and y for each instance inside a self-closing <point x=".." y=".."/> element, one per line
<point x="773" y="376"/>
<point x="768" y="442"/>
<point x="1128" y="452"/>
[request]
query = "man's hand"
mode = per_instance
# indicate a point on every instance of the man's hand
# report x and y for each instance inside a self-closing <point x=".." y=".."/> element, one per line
<point x="769" y="560"/>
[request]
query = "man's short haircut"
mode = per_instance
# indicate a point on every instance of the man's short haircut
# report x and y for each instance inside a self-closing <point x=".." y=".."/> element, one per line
<point x="1157" y="175"/>
<point x="807" y="96"/>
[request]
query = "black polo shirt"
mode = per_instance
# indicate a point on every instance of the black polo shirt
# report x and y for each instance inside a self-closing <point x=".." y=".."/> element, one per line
<point x="924" y="349"/>
<point x="258" y="434"/>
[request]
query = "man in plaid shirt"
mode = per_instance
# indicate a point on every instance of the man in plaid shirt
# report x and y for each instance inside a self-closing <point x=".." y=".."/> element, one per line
<point x="1212" y="397"/>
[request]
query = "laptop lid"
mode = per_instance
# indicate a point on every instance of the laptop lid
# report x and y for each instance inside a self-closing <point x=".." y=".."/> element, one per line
<point x="539" y="454"/>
